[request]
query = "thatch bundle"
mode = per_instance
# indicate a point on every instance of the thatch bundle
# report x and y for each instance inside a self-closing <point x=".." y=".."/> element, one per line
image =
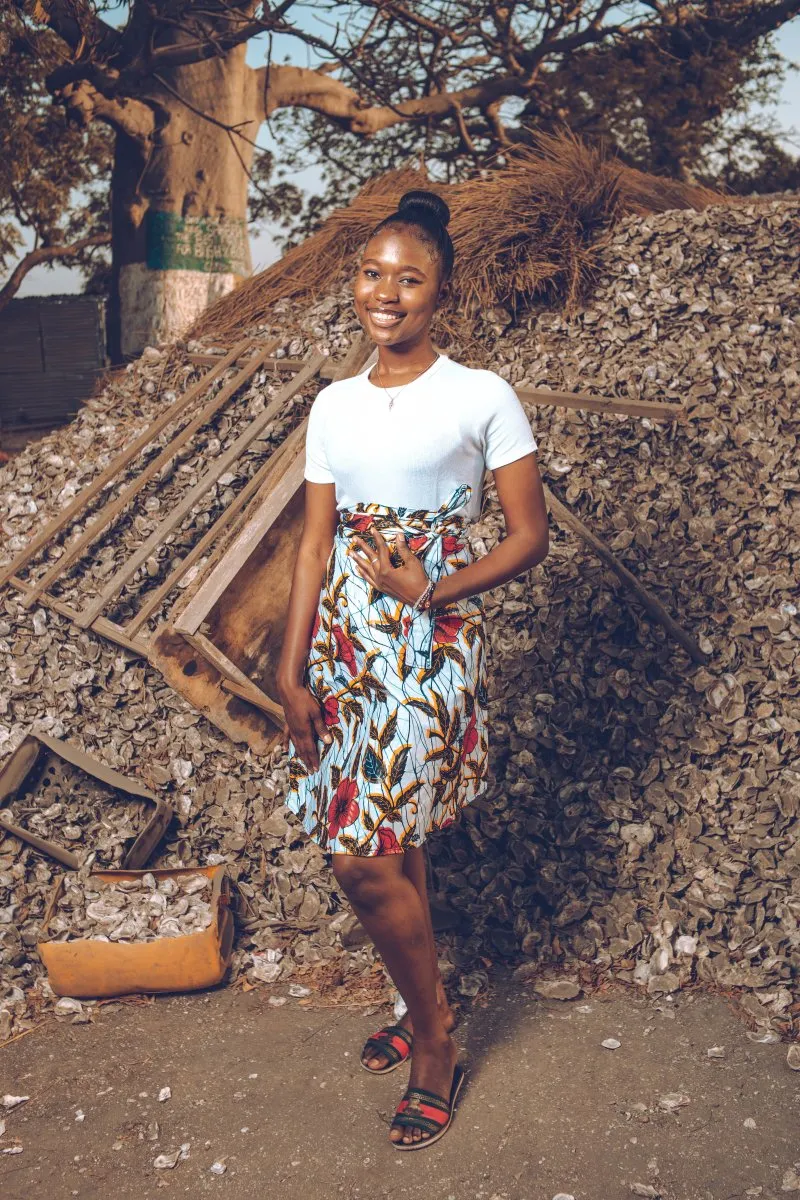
<point x="531" y="230"/>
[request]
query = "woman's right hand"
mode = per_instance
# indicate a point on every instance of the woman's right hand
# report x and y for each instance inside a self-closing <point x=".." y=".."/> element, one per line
<point x="305" y="723"/>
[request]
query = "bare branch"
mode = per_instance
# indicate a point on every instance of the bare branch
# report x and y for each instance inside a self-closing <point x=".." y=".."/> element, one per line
<point x="76" y="23"/>
<point x="304" y="88"/>
<point x="134" y="117"/>
<point x="45" y="254"/>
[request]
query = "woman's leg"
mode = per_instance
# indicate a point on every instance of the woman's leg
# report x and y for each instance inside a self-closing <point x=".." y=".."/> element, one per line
<point x="414" y="868"/>
<point x="389" y="907"/>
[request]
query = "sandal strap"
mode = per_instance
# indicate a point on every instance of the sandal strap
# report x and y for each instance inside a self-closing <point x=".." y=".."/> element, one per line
<point x="401" y="1032"/>
<point x="394" y="1041"/>
<point x="422" y="1110"/>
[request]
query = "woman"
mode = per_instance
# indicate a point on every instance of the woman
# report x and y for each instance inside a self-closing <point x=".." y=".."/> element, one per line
<point x="382" y="673"/>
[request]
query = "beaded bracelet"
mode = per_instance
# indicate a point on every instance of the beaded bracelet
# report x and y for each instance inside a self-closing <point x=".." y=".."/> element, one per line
<point x="423" y="601"/>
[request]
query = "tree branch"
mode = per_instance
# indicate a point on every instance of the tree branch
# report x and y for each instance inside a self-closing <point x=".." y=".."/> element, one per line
<point x="75" y="22"/>
<point x="46" y="254"/>
<point x="85" y="103"/>
<point x="302" y="87"/>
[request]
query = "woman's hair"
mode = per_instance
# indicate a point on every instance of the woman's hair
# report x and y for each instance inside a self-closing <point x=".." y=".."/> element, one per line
<point x="427" y="215"/>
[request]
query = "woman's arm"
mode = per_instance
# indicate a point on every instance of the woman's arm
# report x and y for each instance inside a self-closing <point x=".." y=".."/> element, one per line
<point x="304" y="717"/>
<point x="527" y="541"/>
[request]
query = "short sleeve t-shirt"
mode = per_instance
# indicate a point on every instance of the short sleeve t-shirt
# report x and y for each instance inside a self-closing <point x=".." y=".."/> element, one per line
<point x="446" y="427"/>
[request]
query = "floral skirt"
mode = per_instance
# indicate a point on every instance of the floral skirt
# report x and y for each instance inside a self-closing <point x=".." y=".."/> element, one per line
<point x="403" y="694"/>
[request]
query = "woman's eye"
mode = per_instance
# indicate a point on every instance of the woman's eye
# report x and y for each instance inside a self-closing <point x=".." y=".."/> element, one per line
<point x="409" y="280"/>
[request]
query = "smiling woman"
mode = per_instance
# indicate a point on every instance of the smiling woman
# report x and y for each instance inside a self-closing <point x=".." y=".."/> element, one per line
<point x="383" y="672"/>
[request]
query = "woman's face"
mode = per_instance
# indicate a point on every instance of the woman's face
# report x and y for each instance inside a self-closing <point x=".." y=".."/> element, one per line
<point x="397" y="287"/>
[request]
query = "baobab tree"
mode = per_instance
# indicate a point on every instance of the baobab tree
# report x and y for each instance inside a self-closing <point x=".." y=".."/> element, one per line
<point x="457" y="80"/>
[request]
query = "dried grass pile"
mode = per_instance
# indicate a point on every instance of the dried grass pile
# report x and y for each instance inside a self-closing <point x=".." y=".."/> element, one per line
<point x="533" y="230"/>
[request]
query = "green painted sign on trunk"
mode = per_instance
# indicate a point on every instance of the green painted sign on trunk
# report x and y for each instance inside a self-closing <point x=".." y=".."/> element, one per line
<point x="176" y="243"/>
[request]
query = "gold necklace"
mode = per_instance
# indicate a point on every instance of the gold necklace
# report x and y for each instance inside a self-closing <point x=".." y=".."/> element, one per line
<point x="405" y="385"/>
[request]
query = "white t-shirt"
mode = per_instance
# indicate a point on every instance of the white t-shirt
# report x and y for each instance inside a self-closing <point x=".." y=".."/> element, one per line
<point x="446" y="427"/>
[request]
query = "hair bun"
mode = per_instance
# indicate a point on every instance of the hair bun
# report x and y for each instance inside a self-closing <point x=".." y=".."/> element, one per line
<point x="427" y="203"/>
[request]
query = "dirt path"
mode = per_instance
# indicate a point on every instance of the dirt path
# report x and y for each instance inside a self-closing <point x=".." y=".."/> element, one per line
<point x="277" y="1096"/>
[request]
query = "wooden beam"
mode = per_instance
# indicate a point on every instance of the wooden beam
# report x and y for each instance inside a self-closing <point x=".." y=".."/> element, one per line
<point x="229" y="669"/>
<point x="102" y="626"/>
<point x="654" y="607"/>
<point x="670" y="410"/>
<point x="187" y="502"/>
<point x="128" y="454"/>
<point x="74" y="549"/>
<point x="272" y="497"/>
<point x="237" y="555"/>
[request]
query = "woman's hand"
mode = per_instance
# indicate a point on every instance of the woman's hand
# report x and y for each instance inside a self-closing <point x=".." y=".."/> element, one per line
<point x="406" y="582"/>
<point x="305" y="723"/>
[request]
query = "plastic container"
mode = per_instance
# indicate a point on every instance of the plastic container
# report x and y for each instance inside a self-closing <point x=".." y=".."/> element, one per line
<point x="90" y="969"/>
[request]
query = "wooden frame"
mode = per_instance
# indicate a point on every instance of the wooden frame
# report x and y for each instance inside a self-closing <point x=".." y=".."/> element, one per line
<point x="92" y="616"/>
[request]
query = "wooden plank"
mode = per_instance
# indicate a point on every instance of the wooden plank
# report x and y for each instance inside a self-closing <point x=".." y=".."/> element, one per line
<point x="237" y="554"/>
<point x="261" y="476"/>
<point x="565" y="516"/>
<point x="187" y="502"/>
<point x="192" y="676"/>
<point x="107" y="514"/>
<point x="657" y="409"/>
<point x="107" y="629"/>
<point x="224" y="665"/>
<point x="262" y="511"/>
<point x="79" y="502"/>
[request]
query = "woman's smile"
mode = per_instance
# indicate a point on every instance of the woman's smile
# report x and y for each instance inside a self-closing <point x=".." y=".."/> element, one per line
<point x="384" y="316"/>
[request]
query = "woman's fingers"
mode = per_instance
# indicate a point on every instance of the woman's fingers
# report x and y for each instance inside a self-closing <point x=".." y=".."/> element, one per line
<point x="364" y="558"/>
<point x="401" y="545"/>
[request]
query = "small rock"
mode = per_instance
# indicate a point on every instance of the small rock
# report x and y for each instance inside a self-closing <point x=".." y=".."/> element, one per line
<point x="790" y="1181"/>
<point x="672" y="1101"/>
<point x="558" y="989"/>
<point x="611" y="1044"/>
<point x="645" y="1189"/>
<point x="715" y="1052"/>
<point x="793" y="1057"/>
<point x="297" y="990"/>
<point x="10" y="1102"/>
<point x="164" y="1094"/>
<point x="749" y="1123"/>
<point x="218" y="1168"/>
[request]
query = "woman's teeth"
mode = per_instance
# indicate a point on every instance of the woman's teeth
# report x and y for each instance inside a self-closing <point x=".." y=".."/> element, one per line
<point x="385" y="318"/>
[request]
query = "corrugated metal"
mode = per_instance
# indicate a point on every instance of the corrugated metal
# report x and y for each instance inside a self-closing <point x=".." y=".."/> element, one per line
<point x="51" y="351"/>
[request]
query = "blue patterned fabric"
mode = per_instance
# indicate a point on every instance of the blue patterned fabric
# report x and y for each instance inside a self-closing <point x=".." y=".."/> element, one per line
<point x="404" y="694"/>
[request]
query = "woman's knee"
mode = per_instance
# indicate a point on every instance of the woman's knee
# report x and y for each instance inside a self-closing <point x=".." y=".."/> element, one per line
<point x="366" y="881"/>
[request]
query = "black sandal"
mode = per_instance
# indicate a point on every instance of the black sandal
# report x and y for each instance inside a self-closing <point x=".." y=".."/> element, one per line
<point x="426" y="1111"/>
<point x="394" y="1042"/>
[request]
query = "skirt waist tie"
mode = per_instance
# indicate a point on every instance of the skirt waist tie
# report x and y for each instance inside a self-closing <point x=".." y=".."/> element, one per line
<point x="425" y="532"/>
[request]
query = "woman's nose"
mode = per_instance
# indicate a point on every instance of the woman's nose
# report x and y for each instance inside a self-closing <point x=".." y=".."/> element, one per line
<point x="385" y="289"/>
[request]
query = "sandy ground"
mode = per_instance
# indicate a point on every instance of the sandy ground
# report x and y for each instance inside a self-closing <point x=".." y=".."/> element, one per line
<point x="278" y="1097"/>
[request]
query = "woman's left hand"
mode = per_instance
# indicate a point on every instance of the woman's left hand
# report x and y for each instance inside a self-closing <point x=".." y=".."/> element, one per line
<point x="406" y="582"/>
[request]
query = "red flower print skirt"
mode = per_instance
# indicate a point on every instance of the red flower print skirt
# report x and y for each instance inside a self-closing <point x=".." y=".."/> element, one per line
<point x="403" y="694"/>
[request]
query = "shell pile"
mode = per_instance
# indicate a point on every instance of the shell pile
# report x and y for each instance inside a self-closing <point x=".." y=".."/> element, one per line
<point x="131" y="910"/>
<point x="643" y="817"/>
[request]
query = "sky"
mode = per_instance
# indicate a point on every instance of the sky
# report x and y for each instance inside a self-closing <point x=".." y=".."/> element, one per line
<point x="60" y="279"/>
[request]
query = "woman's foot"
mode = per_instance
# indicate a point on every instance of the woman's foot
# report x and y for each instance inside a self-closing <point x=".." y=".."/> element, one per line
<point x="431" y="1071"/>
<point x="378" y="1060"/>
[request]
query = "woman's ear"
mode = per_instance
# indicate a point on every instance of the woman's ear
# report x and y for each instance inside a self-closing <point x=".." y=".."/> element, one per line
<point x="444" y="292"/>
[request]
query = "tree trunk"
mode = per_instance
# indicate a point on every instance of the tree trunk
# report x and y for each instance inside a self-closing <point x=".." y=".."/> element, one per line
<point x="179" y="213"/>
